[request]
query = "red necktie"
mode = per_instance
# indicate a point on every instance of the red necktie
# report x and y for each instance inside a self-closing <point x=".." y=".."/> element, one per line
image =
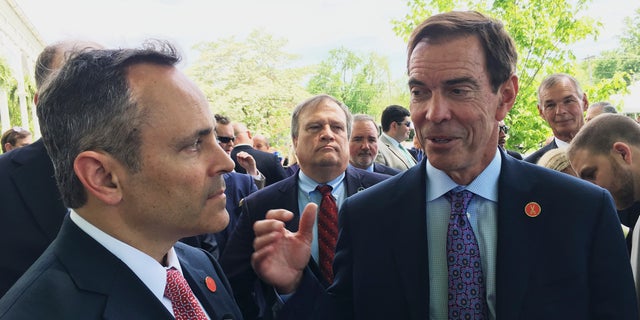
<point x="327" y="231"/>
<point x="185" y="305"/>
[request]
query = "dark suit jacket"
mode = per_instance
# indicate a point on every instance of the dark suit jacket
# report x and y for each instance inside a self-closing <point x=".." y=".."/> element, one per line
<point x="254" y="297"/>
<point x="77" y="278"/>
<point x="534" y="157"/>
<point x="32" y="210"/>
<point x="238" y="186"/>
<point x="266" y="162"/>
<point x="381" y="168"/>
<point x="569" y="262"/>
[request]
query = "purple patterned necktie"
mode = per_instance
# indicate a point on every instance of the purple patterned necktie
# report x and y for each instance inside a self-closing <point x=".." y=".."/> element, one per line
<point x="466" y="282"/>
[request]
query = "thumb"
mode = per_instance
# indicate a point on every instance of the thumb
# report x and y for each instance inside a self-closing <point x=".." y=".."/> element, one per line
<point x="308" y="218"/>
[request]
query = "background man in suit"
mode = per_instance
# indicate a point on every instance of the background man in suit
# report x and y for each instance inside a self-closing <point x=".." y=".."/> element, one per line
<point x="363" y="146"/>
<point x="606" y="152"/>
<point x="535" y="230"/>
<point x="502" y="140"/>
<point x="267" y="162"/>
<point x="135" y="157"/>
<point x="561" y="103"/>
<point x="32" y="210"/>
<point x="320" y="129"/>
<point x="396" y="126"/>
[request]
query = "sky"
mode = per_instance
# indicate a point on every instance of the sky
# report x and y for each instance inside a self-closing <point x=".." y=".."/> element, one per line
<point x="311" y="27"/>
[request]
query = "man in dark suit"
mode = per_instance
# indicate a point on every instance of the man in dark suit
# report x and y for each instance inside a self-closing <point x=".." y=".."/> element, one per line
<point x="363" y="146"/>
<point x="32" y="210"/>
<point x="561" y="103"/>
<point x="320" y="130"/>
<point x="544" y="244"/>
<point x="268" y="163"/>
<point x="133" y="191"/>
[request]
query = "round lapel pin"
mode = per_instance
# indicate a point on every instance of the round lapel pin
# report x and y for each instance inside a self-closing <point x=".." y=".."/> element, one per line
<point x="532" y="209"/>
<point x="211" y="284"/>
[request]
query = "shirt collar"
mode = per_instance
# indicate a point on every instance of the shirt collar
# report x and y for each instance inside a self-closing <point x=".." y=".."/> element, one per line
<point x="484" y="185"/>
<point x="152" y="273"/>
<point x="560" y="143"/>
<point x="308" y="185"/>
<point x="392" y="139"/>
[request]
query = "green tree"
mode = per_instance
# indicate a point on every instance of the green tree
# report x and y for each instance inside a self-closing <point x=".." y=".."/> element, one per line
<point x="251" y="81"/>
<point x="622" y="62"/>
<point x="356" y="80"/>
<point x="542" y="31"/>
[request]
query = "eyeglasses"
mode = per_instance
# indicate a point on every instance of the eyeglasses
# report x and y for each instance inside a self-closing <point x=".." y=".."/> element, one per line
<point x="504" y="129"/>
<point x="226" y="139"/>
<point x="406" y="123"/>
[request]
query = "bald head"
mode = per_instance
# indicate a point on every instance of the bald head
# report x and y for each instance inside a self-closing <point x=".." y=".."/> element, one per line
<point x="243" y="136"/>
<point x="54" y="55"/>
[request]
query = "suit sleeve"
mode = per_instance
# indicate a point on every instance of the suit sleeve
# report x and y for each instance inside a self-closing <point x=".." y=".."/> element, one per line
<point x="613" y="293"/>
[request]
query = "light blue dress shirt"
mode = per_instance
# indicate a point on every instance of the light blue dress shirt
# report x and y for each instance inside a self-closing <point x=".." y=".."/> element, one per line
<point x="307" y="193"/>
<point x="483" y="216"/>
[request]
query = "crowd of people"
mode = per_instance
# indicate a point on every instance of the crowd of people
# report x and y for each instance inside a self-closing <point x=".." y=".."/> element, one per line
<point x="140" y="202"/>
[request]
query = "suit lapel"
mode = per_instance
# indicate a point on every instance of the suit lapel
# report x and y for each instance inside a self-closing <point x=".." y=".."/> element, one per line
<point x="515" y="245"/>
<point x="48" y="210"/>
<point x="96" y="270"/>
<point x="410" y="244"/>
<point x="354" y="181"/>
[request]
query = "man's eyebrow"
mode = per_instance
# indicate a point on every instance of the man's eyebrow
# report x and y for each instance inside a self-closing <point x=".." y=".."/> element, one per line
<point x="465" y="80"/>
<point x="415" y="82"/>
<point x="196" y="134"/>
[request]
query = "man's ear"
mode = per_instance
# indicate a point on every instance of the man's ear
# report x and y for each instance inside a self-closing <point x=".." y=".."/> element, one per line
<point x="95" y="170"/>
<point x="508" y="92"/>
<point x="624" y="151"/>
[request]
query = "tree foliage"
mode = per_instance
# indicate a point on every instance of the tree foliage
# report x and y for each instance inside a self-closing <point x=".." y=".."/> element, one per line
<point x="622" y="62"/>
<point x="542" y="31"/>
<point x="356" y="80"/>
<point x="251" y="81"/>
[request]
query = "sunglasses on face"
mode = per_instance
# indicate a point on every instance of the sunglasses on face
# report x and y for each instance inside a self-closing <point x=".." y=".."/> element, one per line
<point x="226" y="139"/>
<point x="406" y="123"/>
<point x="504" y="129"/>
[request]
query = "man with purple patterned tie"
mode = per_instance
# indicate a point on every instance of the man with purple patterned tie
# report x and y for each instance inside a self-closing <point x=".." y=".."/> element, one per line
<point x="550" y="246"/>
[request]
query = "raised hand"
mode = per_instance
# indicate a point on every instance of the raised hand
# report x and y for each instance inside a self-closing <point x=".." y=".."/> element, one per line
<point x="281" y="255"/>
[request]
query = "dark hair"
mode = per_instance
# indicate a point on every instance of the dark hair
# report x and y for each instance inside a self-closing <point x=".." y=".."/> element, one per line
<point x="46" y="59"/>
<point x="12" y="136"/>
<point x="393" y="113"/>
<point x="88" y="106"/>
<point x="313" y="102"/>
<point x="499" y="50"/>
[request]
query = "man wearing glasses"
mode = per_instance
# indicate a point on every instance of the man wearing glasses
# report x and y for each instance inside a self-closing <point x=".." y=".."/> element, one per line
<point x="396" y="126"/>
